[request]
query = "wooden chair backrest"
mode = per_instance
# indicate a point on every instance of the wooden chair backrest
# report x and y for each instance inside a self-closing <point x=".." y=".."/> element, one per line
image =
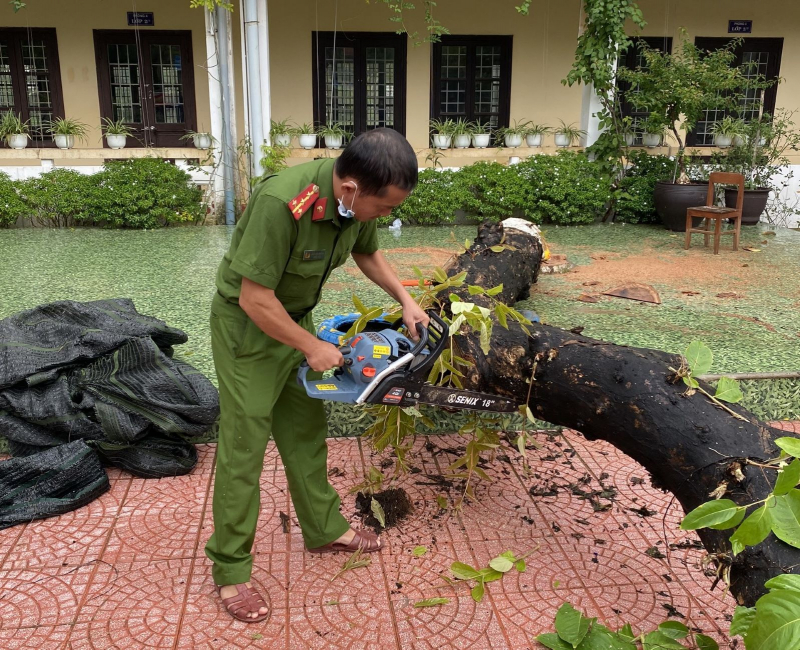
<point x="726" y="178"/>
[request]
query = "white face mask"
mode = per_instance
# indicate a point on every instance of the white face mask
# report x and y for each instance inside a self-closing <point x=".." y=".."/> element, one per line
<point x="343" y="211"/>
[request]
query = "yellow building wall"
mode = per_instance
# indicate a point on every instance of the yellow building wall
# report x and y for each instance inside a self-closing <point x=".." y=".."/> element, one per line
<point x="74" y="23"/>
<point x="543" y="49"/>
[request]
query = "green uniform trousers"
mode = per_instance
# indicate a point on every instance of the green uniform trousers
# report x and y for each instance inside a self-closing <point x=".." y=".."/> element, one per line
<point x="259" y="395"/>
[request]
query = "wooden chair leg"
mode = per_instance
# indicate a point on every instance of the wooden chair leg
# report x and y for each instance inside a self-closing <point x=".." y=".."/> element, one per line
<point x="688" y="232"/>
<point x="706" y="226"/>
<point x="717" y="233"/>
<point x="736" y="233"/>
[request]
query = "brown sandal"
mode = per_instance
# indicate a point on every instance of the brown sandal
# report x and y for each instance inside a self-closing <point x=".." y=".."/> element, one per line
<point x="367" y="542"/>
<point x="247" y="601"/>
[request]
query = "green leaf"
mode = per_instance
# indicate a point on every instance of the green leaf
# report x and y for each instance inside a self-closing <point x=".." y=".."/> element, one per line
<point x="710" y="513"/>
<point x="753" y="530"/>
<point x="786" y="518"/>
<point x="501" y="564"/>
<point x="674" y="629"/>
<point x="788" y="478"/>
<point x="553" y="641"/>
<point x="377" y="511"/>
<point x="439" y="275"/>
<point x="497" y="249"/>
<point x="485" y="334"/>
<point x="419" y="551"/>
<point x="571" y="625"/>
<point x="659" y="641"/>
<point x="431" y="602"/>
<point x="626" y="631"/>
<point x="601" y="638"/>
<point x="788" y="581"/>
<point x="417" y="272"/>
<point x="441" y="502"/>
<point x="777" y="622"/>
<point x="699" y="358"/>
<point x="728" y="390"/>
<point x="489" y="575"/>
<point x="743" y="618"/>
<point x="475" y="290"/>
<point x="733" y="521"/>
<point x="463" y="571"/>
<point x="691" y="382"/>
<point x="494" y="290"/>
<point x="360" y="308"/>
<point x="521" y="566"/>
<point x="790" y="445"/>
<point x="477" y="592"/>
<point x="704" y="642"/>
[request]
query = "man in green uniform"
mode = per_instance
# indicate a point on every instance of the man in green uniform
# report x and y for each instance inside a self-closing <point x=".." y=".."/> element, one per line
<point x="299" y="226"/>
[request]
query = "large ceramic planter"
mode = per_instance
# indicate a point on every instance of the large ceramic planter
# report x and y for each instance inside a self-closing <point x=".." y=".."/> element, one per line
<point x="307" y="140"/>
<point x="753" y="206"/>
<point x="630" y="138"/>
<point x="18" y="140"/>
<point x="333" y="141"/>
<point x="673" y="199"/>
<point x="534" y="140"/>
<point x="441" y="141"/>
<point x="723" y="141"/>
<point x="116" y="141"/>
<point x="562" y="140"/>
<point x="481" y="140"/>
<point x="461" y="141"/>
<point x="651" y="139"/>
<point x="64" y="141"/>
<point x="512" y="140"/>
<point x="283" y="140"/>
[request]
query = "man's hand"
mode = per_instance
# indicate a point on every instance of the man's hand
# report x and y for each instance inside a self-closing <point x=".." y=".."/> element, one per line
<point x="324" y="356"/>
<point x="413" y="314"/>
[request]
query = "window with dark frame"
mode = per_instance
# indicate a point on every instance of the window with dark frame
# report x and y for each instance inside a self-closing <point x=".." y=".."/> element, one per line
<point x="361" y="82"/>
<point x="30" y="79"/>
<point x="471" y="79"/>
<point x="758" y="56"/>
<point x="146" y="80"/>
<point x="632" y="59"/>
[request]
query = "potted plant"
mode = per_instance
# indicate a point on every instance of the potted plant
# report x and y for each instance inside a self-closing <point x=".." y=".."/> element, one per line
<point x="14" y="131"/>
<point x="512" y="135"/>
<point x="535" y="133"/>
<point x="628" y="131"/>
<point x="200" y="139"/>
<point x="481" y="135"/>
<point x="740" y="131"/>
<point x="652" y="130"/>
<point x="281" y="133"/>
<point x="116" y="132"/>
<point x="462" y="133"/>
<point x="306" y="135"/>
<point x="64" y="131"/>
<point x="677" y="89"/>
<point x="334" y="135"/>
<point x="725" y="131"/>
<point x="760" y="159"/>
<point x="566" y="134"/>
<point x="442" y="133"/>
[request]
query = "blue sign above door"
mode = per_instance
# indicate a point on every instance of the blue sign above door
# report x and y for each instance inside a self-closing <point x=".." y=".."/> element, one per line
<point x="740" y="26"/>
<point x="141" y="18"/>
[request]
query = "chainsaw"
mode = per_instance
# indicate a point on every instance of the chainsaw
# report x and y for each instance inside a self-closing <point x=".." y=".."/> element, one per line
<point x="386" y="367"/>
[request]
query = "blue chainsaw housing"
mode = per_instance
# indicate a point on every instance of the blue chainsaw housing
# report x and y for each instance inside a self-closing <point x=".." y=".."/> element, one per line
<point x="366" y="356"/>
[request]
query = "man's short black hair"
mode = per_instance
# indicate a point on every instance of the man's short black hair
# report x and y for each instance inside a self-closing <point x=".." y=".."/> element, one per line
<point x="377" y="159"/>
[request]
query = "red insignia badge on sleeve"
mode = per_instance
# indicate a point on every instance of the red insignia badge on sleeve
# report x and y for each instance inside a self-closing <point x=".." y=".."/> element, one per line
<point x="300" y="204"/>
<point x="319" y="209"/>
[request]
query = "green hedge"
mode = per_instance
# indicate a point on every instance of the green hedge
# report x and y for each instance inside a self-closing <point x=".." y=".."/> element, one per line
<point x="136" y="193"/>
<point x="636" y="202"/>
<point x="563" y="189"/>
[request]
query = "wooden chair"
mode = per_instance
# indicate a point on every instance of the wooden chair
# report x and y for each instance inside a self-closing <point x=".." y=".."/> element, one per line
<point x="710" y="211"/>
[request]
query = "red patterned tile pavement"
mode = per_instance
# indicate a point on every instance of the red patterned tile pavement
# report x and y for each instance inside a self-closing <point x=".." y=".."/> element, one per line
<point x="129" y="571"/>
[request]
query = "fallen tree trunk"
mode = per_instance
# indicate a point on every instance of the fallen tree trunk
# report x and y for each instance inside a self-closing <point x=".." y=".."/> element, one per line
<point x="625" y="396"/>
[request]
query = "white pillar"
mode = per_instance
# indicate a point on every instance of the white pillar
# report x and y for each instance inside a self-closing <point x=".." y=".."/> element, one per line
<point x="215" y="101"/>
<point x="263" y="51"/>
<point x="589" y="122"/>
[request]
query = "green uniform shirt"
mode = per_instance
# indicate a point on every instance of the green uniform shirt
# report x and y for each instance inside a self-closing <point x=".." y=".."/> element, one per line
<point x="292" y="256"/>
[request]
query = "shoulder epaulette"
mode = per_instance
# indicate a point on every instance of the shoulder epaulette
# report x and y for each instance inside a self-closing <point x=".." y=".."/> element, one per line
<point x="300" y="204"/>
